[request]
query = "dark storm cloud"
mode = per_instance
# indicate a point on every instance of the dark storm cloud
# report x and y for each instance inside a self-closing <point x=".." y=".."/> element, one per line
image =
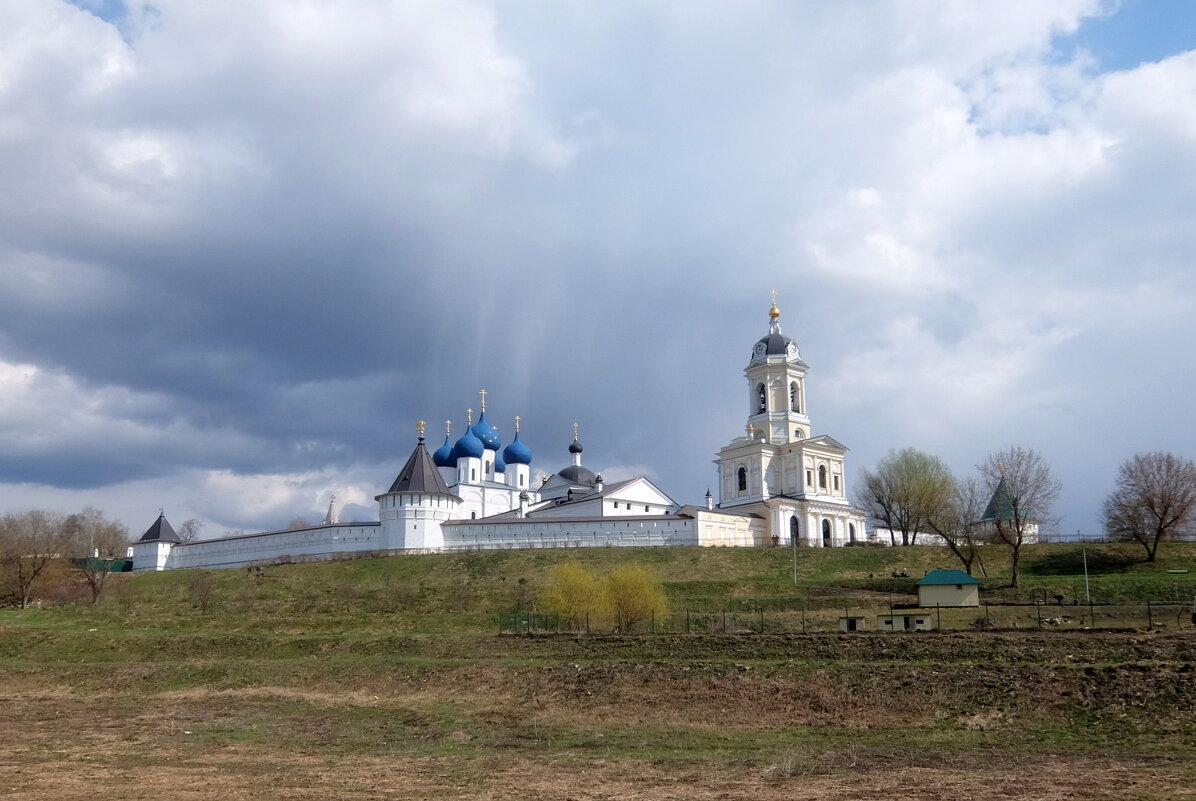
<point x="248" y="247"/>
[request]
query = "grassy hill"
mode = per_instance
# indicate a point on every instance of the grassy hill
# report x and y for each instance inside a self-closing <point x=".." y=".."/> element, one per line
<point x="383" y="678"/>
<point x="464" y="591"/>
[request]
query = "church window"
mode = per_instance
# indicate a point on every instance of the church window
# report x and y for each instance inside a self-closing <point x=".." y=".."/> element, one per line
<point x="742" y="480"/>
<point x="851" y="531"/>
<point x="645" y="507"/>
<point x="836" y="483"/>
<point x="792" y="529"/>
<point x="473" y="515"/>
<point x="794" y="404"/>
<point x="826" y="533"/>
<point x="473" y="474"/>
<point x="762" y="394"/>
<point x="809" y="478"/>
<point x="822" y="476"/>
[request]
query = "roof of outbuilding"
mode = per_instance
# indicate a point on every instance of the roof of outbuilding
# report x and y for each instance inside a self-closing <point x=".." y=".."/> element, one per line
<point x="160" y="531"/>
<point x="936" y="577"/>
<point x="420" y="474"/>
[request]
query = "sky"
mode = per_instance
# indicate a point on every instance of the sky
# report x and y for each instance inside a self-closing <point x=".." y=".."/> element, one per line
<point x="245" y="247"/>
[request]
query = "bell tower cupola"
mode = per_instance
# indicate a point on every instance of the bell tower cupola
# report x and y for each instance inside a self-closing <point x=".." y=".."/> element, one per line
<point x="776" y="378"/>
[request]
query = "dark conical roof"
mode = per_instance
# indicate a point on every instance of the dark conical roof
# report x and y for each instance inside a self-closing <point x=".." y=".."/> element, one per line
<point x="160" y="531"/>
<point x="420" y="474"/>
<point x="1000" y="505"/>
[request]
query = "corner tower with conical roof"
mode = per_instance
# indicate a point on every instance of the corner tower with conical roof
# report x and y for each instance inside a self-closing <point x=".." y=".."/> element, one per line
<point x="779" y="470"/>
<point x="417" y="502"/>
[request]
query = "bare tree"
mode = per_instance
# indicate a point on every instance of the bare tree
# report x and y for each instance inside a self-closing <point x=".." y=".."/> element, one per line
<point x="189" y="531"/>
<point x="31" y="546"/>
<point x="956" y="523"/>
<point x="95" y="543"/>
<point x="1022" y="491"/>
<point x="298" y="523"/>
<point x="1155" y="500"/>
<point x="907" y="489"/>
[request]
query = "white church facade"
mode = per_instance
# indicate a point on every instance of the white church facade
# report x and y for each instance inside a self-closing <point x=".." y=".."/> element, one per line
<point x="778" y="484"/>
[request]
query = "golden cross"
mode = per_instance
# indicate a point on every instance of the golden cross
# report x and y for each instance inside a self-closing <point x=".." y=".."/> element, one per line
<point x="420" y="428"/>
<point x="483" y="394"/>
<point x="448" y="428"/>
<point x="773" y="292"/>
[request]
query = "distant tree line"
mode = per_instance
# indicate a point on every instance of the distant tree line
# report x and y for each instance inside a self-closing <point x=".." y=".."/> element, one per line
<point x="40" y="548"/>
<point x="1010" y="499"/>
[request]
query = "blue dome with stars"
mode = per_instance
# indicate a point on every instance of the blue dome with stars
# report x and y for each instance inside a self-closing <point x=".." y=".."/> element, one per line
<point x="487" y="433"/>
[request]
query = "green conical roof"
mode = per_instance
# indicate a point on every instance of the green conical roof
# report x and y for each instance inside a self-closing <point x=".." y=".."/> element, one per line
<point x="1000" y="505"/>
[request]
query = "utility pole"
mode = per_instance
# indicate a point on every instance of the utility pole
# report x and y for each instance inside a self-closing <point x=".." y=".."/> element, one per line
<point x="793" y="540"/>
<point x="1087" y="594"/>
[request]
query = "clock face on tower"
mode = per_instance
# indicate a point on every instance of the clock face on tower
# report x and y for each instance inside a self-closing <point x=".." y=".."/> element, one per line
<point x="759" y="348"/>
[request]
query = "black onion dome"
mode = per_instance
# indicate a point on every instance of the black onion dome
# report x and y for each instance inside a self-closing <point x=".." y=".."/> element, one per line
<point x="575" y="447"/>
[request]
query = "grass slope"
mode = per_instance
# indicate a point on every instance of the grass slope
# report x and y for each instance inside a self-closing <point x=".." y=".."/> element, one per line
<point x="382" y="678"/>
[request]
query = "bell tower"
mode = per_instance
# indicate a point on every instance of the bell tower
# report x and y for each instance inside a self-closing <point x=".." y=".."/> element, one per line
<point x="776" y="378"/>
<point x="779" y="471"/>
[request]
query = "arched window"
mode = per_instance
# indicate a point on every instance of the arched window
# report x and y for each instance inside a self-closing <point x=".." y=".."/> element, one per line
<point x="794" y="404"/>
<point x="851" y="532"/>
<point x="822" y="476"/>
<point x="762" y="394"/>
<point x="742" y="480"/>
<point x="792" y="529"/>
<point x="826" y="533"/>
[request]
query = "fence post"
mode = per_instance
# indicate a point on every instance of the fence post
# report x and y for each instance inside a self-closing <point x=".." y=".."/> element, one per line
<point x="1038" y="610"/>
<point x="938" y="607"/>
<point x="1149" y="616"/>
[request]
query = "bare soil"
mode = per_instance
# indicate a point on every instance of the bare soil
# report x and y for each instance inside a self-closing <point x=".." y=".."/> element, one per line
<point x="977" y="716"/>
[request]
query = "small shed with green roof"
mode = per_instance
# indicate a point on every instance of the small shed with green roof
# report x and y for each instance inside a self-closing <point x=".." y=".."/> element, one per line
<point x="948" y="588"/>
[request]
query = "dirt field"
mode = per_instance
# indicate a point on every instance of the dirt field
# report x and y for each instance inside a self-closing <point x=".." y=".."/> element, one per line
<point x="980" y="716"/>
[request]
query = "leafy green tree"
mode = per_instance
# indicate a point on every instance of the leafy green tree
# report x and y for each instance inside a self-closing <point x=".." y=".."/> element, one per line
<point x="1155" y="500"/>
<point x="633" y="595"/>
<point x="908" y="489"/>
<point x="572" y="593"/>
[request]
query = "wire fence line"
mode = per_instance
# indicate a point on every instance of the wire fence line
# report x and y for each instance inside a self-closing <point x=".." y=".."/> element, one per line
<point x="805" y="619"/>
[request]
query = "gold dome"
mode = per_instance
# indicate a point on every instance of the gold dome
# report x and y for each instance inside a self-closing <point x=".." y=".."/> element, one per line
<point x="774" y="312"/>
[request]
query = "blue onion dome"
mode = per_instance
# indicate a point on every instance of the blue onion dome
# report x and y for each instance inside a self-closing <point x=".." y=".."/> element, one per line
<point x="443" y="457"/>
<point x="499" y="465"/>
<point x="517" y="452"/>
<point x="487" y="433"/>
<point x="468" y="446"/>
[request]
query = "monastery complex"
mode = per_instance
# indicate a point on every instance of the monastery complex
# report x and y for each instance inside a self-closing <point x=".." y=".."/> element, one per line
<point x="779" y="484"/>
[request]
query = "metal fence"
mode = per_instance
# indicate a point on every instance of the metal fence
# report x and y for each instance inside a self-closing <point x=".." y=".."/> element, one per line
<point x="896" y="617"/>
